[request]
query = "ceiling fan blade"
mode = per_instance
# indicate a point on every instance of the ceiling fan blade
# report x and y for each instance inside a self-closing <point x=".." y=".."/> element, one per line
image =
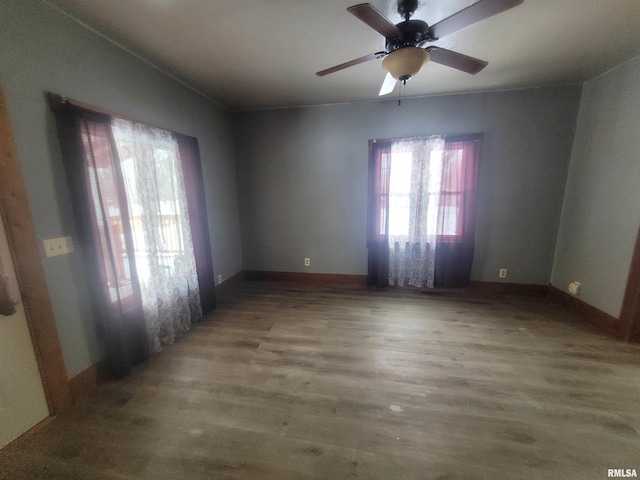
<point x="351" y="63"/>
<point x="388" y="85"/>
<point x="456" y="60"/>
<point x="376" y="20"/>
<point x="470" y="15"/>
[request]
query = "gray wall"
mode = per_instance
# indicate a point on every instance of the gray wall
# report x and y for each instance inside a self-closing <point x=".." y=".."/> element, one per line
<point x="601" y="211"/>
<point x="44" y="50"/>
<point x="302" y="178"/>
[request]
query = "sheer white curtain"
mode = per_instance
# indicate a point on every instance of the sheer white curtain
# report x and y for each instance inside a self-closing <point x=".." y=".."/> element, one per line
<point x="163" y="248"/>
<point x="413" y="209"/>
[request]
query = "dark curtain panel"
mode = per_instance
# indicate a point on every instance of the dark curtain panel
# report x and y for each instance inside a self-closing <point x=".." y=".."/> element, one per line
<point x="378" y="214"/>
<point x="194" y="187"/>
<point x="97" y="192"/>
<point x="456" y="213"/>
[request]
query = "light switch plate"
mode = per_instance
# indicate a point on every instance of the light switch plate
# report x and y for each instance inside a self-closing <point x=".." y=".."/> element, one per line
<point x="57" y="246"/>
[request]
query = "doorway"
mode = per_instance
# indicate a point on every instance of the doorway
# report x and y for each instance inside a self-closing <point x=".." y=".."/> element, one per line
<point x="629" y="329"/>
<point x="29" y="334"/>
<point x="22" y="399"/>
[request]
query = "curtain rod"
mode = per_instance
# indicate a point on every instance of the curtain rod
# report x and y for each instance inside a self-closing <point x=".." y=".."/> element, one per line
<point x="469" y="136"/>
<point x="56" y="99"/>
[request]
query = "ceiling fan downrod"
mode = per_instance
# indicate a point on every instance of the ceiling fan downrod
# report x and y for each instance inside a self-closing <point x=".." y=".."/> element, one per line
<point x="406" y="8"/>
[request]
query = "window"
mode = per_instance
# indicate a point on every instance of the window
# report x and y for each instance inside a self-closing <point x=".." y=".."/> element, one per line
<point x="421" y="199"/>
<point x="138" y="197"/>
<point x="446" y="192"/>
<point x="158" y="228"/>
<point x="449" y="193"/>
<point x="400" y="193"/>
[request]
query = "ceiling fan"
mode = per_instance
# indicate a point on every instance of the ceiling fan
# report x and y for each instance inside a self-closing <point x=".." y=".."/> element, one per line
<point x="405" y="52"/>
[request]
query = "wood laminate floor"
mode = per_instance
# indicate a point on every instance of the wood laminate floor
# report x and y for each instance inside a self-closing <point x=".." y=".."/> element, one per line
<point x="310" y="382"/>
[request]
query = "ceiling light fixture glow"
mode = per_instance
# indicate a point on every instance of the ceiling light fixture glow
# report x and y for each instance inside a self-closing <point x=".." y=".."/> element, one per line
<point x="406" y="62"/>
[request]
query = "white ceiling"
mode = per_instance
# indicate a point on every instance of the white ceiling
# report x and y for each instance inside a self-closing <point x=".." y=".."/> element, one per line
<point x="255" y="54"/>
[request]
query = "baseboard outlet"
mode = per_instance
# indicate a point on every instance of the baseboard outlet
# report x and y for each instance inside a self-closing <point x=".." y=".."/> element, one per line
<point x="223" y="289"/>
<point x="510" y="288"/>
<point x="605" y="322"/>
<point x="308" y="278"/>
<point x="85" y="381"/>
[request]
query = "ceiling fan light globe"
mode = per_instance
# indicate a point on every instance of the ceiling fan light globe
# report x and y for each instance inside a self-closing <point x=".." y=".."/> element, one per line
<point x="405" y="62"/>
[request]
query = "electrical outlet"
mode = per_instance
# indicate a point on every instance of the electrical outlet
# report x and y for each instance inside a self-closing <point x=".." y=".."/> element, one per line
<point x="574" y="288"/>
<point x="503" y="273"/>
<point x="57" y="246"/>
<point x="307" y="262"/>
<point x="219" y="278"/>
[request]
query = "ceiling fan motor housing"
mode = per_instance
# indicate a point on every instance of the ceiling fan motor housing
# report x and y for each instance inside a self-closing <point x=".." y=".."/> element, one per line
<point x="414" y="33"/>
